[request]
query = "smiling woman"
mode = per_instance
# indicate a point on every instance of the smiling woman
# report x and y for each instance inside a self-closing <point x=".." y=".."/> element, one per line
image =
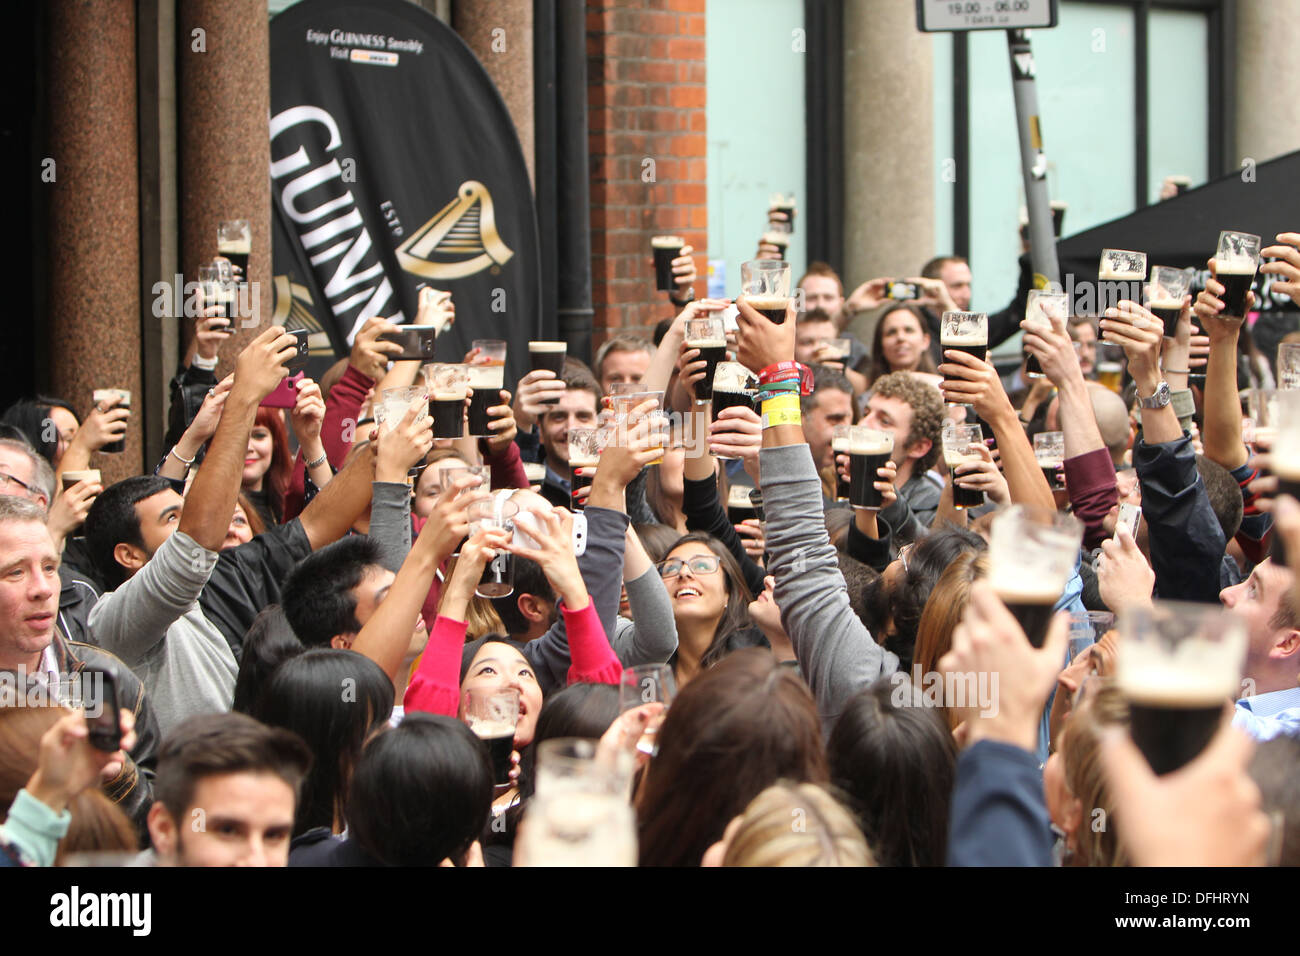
<point x="901" y="343"/>
<point x="710" y="604"/>
<point x="267" y="465"/>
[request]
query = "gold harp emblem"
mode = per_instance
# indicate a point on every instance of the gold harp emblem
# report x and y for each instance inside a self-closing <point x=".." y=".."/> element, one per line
<point x="459" y="241"/>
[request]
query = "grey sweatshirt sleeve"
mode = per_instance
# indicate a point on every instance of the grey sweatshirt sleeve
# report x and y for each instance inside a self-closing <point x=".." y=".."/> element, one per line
<point x="129" y="621"/>
<point x="837" y="654"/>
<point x="651" y="637"/>
<point x="390" y="522"/>
<point x="602" y="572"/>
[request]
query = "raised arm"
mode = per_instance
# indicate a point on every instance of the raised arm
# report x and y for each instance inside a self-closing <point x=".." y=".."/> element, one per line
<point x="836" y="653"/>
<point x="211" y="500"/>
<point x="1222" y="432"/>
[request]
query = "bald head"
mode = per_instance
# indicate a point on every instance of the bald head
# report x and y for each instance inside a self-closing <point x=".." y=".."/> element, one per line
<point x="1112" y="420"/>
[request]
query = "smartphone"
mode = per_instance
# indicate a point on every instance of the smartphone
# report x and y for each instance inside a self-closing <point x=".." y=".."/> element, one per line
<point x="105" y="728"/>
<point x="1129" y="516"/>
<point x="417" y="341"/>
<point x="901" y="291"/>
<point x="527" y="530"/>
<point x="285" y="394"/>
<point x="299" y="359"/>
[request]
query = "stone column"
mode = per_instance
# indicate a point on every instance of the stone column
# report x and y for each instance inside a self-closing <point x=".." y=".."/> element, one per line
<point x="501" y="36"/>
<point x="225" y="150"/>
<point x="1268" y="88"/>
<point x="888" y="143"/>
<point x="94" y="308"/>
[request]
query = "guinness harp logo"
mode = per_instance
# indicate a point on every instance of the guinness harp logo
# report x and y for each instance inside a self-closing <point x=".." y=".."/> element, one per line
<point x="292" y="299"/>
<point x="459" y="241"/>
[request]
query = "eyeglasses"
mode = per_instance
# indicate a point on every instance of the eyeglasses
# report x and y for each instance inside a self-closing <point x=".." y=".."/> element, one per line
<point x="7" y="480"/>
<point x="903" y="552"/>
<point x="702" y="564"/>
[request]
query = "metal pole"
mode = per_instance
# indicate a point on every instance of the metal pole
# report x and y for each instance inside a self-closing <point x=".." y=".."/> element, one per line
<point x="1033" y="161"/>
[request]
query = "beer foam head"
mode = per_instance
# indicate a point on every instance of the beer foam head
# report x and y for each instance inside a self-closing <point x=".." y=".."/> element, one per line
<point x="781" y="239"/>
<point x="954" y="456"/>
<point x="242" y="245"/>
<point x="709" y="342"/>
<point x="1235" y="266"/>
<point x="548" y="346"/>
<point x="1119" y="265"/>
<point x="667" y="242"/>
<point x="72" y="477"/>
<point x="449" y="396"/>
<point x="1164" y="303"/>
<point x="492" y="729"/>
<point x="869" y="441"/>
<point x="1042" y="304"/>
<point x="109" y="394"/>
<point x="1017" y="584"/>
<point x="965" y="338"/>
<point x="768" y="302"/>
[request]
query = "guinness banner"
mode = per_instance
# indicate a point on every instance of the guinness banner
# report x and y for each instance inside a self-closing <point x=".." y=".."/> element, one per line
<point x="394" y="166"/>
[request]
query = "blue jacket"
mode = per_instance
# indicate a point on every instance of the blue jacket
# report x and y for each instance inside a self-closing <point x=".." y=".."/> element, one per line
<point x="998" y="815"/>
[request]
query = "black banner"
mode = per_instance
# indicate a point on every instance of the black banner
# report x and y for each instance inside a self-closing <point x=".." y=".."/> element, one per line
<point x="394" y="166"/>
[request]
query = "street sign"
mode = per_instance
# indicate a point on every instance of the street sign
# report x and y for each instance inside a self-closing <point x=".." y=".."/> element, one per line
<point x="935" y="16"/>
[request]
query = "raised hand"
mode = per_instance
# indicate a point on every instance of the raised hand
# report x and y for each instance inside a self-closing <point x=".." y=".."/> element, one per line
<point x="972" y="381"/>
<point x="1210" y="306"/>
<point x="501" y="423"/>
<point x="308" y="413"/>
<point x="761" y="343"/>
<point x="1140" y="334"/>
<point x="370" y="354"/>
<point x="404" y="446"/>
<point x="984" y="476"/>
<point x="260" y="366"/>
<point x="554" y="555"/>
<point x="536" y="389"/>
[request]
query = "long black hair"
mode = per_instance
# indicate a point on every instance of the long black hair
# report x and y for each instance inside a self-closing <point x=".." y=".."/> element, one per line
<point x="421" y="792"/>
<point x="333" y="699"/>
<point x="270" y="642"/>
<point x="735" y="619"/>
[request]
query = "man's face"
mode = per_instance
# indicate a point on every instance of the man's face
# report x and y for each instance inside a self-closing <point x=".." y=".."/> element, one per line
<point x="833" y="408"/>
<point x="623" y="366"/>
<point x="237" y="819"/>
<point x="1256" y="601"/>
<point x="956" y="276"/>
<point x="17" y="465"/>
<point x="891" y="415"/>
<point x="372" y="590"/>
<point x="576" y="409"/>
<point x="29" y="591"/>
<point x="159" y="516"/>
<point x="809" y="335"/>
<point x="1085" y="345"/>
<point x="821" y="292"/>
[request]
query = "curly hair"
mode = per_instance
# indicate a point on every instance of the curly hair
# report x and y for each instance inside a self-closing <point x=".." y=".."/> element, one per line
<point x="927" y="411"/>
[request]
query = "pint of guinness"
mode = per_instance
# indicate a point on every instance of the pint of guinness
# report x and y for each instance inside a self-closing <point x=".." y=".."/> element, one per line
<point x="964" y="332"/>
<point x="1181" y="665"/>
<point x="1040" y="308"/>
<point x="710" y="337"/>
<point x="1235" y="263"/>
<point x="1032" y="553"/>
<point x="122" y="399"/>
<point x="549" y="356"/>
<point x="771" y="307"/>
<point x="493" y="716"/>
<point x="235" y="242"/>
<point x="840" y="446"/>
<point x="959" y="443"/>
<point x="739" y="506"/>
<point x="666" y="249"/>
<point x="765" y="284"/>
<point x="1120" y="276"/>
<point x="869" y="450"/>
<point x="780" y="240"/>
<point x="486" y="380"/>
<point x="448" y="385"/>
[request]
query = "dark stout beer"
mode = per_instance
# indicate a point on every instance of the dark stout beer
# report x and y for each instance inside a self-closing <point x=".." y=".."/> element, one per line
<point x="499" y="738"/>
<point x="1167" y="311"/>
<point x="1033" y="609"/>
<point x="485" y="382"/>
<point x="666" y="249"/>
<point x="865" y="459"/>
<point x="712" y="351"/>
<point x="962" y="497"/>
<point x="447" y="410"/>
<point x="578" y="482"/>
<point x="1172" y="725"/>
<point x="771" y="307"/>
<point x="1235" y="287"/>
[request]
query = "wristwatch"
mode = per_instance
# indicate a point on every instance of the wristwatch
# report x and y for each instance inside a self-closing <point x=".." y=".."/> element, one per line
<point x="1159" y="399"/>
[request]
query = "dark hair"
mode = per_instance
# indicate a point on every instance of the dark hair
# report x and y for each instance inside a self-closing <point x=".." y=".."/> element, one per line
<point x="825" y="379"/>
<point x="860" y="582"/>
<point x="317" y="596"/>
<point x="819" y="268"/>
<point x="1224" y="494"/>
<point x="879" y="365"/>
<point x="333" y="699"/>
<point x="736" y="616"/>
<point x="30" y="416"/>
<point x="112" y="520"/>
<point x="270" y="642"/>
<point x="219" y="744"/>
<point x="529" y="579"/>
<point x="276" y="480"/>
<point x="733" y="731"/>
<point x="657" y="539"/>
<point x="421" y="792"/>
<point x="580" y="710"/>
<point x="926" y="563"/>
<point x="472" y="648"/>
<point x="934" y="268"/>
<point x="579" y="377"/>
<point x="896" y="761"/>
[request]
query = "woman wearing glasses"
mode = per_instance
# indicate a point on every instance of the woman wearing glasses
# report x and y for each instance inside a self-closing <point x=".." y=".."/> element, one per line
<point x="710" y="604"/>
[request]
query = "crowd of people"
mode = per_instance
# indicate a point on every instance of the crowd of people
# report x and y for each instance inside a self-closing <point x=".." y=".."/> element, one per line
<point x="289" y="612"/>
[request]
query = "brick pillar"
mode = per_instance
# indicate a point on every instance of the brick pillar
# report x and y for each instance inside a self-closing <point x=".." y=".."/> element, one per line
<point x="646" y="98"/>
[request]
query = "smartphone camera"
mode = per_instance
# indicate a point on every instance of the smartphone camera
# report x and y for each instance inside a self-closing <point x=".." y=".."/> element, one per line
<point x="901" y="291"/>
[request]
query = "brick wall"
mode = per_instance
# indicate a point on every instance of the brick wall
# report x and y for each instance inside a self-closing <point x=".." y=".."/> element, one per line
<point x="646" y="98"/>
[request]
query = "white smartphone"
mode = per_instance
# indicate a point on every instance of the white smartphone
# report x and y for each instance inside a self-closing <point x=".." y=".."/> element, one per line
<point x="1129" y="516"/>
<point x="526" y="531"/>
